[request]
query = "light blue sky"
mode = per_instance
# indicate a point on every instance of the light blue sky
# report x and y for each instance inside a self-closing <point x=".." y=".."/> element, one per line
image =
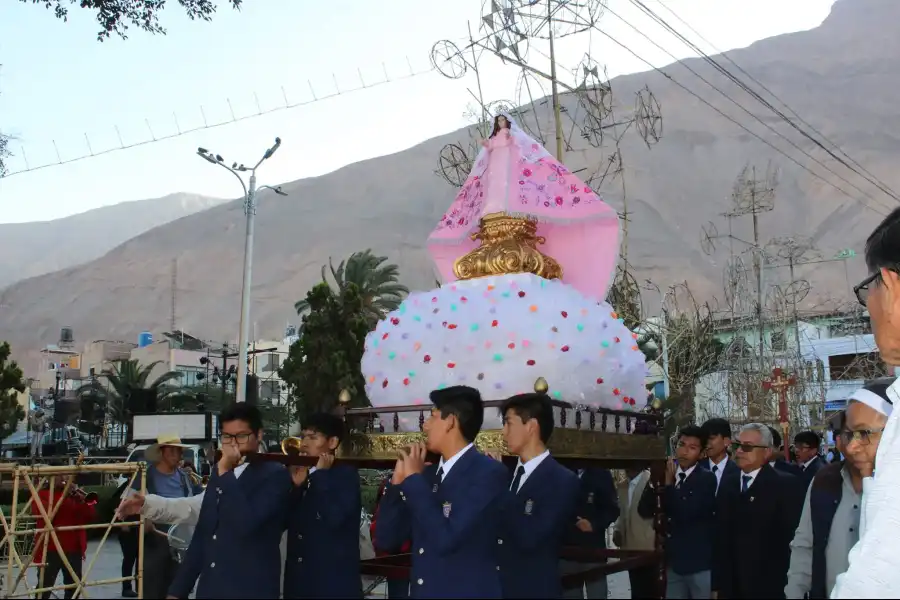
<point x="58" y="83"/>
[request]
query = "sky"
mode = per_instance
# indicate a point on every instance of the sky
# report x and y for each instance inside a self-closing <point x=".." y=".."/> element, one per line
<point x="64" y="95"/>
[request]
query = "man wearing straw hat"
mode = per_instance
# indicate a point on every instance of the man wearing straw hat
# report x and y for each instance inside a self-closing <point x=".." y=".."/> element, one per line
<point x="166" y="479"/>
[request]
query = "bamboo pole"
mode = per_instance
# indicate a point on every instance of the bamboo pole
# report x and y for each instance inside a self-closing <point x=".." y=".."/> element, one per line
<point x="141" y="531"/>
<point x="12" y="539"/>
<point x="68" y="586"/>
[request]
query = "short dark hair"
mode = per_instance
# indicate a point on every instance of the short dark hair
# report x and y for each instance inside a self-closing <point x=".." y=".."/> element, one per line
<point x="694" y="431"/>
<point x="808" y="438"/>
<point x="839" y="421"/>
<point x="532" y="406"/>
<point x="776" y="437"/>
<point x="883" y="245"/>
<point x="717" y="426"/>
<point x="242" y="411"/>
<point x="329" y="425"/>
<point x="464" y="403"/>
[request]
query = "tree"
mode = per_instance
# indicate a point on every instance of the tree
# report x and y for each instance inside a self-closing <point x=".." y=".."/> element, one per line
<point x="377" y="283"/>
<point x="115" y="16"/>
<point x="4" y="153"/>
<point x="11" y="384"/>
<point x="125" y="376"/>
<point x="326" y="359"/>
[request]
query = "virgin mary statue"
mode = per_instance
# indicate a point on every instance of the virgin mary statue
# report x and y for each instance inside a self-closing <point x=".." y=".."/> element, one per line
<point x="514" y="176"/>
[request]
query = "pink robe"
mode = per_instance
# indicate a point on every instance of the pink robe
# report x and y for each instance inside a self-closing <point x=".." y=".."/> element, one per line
<point x="581" y="230"/>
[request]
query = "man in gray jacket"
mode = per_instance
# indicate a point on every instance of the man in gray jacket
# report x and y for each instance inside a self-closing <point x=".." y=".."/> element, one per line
<point x="829" y="527"/>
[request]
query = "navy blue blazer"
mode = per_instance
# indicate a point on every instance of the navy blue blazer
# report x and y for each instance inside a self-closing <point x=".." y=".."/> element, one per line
<point x="730" y="466"/>
<point x="454" y="527"/>
<point x="691" y="515"/>
<point x="323" y="536"/>
<point x="235" y="550"/>
<point x="535" y="522"/>
<point x="598" y="502"/>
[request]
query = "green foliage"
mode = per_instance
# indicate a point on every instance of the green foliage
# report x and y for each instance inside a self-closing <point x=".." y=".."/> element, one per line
<point x="326" y="359"/>
<point x="127" y="375"/>
<point x="11" y="384"/>
<point x="377" y="284"/>
<point x="115" y="16"/>
<point x="189" y="398"/>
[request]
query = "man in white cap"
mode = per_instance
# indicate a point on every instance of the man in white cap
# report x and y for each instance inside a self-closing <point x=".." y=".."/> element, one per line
<point x="873" y="571"/>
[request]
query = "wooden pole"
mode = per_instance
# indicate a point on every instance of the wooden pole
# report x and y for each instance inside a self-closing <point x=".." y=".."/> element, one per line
<point x="12" y="537"/>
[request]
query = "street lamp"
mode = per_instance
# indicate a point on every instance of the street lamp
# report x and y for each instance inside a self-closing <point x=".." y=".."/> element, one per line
<point x="250" y="211"/>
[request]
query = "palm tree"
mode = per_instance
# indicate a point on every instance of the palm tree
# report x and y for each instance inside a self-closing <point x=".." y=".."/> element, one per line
<point x="378" y="283"/>
<point x="124" y="376"/>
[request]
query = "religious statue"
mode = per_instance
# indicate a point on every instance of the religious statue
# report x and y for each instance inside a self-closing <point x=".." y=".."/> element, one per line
<point x="518" y="197"/>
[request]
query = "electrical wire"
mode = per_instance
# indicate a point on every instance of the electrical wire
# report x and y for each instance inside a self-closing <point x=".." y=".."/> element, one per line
<point x="739" y="105"/>
<point x="756" y="96"/>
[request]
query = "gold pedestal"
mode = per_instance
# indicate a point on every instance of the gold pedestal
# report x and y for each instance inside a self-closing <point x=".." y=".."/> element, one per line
<point x="508" y="245"/>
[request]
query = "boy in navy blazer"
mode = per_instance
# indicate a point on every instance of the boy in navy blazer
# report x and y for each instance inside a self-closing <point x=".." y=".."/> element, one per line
<point x="689" y="503"/>
<point x="451" y="510"/>
<point x="323" y="519"/>
<point x="235" y="550"/>
<point x="718" y="442"/>
<point x="539" y="505"/>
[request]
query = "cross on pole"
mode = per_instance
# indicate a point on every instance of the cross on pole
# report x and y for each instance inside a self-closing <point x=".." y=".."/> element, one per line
<point x="779" y="383"/>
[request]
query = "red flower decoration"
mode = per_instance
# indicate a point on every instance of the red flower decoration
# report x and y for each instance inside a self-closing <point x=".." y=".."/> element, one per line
<point x="616" y="340"/>
<point x="599" y="380"/>
<point x="395" y="320"/>
<point x="384" y="337"/>
<point x="434" y="298"/>
<point x="494" y="323"/>
<point x="511" y="345"/>
<point x="616" y="391"/>
<point x="451" y="326"/>
<point x="564" y="314"/>
<point x="384" y="383"/>
<point x="463" y="299"/>
<point x="564" y="349"/>
<point x="530" y="363"/>
<point x="521" y="294"/>
<point x="406" y="381"/>
<point x="450" y="365"/>
<point x="427" y="358"/>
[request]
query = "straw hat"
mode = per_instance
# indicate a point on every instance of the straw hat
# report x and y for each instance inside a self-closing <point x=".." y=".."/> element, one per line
<point x="153" y="454"/>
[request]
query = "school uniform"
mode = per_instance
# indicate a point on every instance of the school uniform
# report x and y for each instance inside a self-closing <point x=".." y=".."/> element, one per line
<point x="235" y="548"/>
<point x="538" y="510"/>
<point x="452" y="514"/>
<point x="323" y="536"/>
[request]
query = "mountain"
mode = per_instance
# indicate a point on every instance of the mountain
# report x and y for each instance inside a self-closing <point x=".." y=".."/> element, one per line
<point x="31" y="249"/>
<point x="836" y="76"/>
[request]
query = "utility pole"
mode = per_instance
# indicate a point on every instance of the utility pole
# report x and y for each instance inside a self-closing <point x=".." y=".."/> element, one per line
<point x="174" y="292"/>
<point x="250" y="211"/>
<point x="554" y="85"/>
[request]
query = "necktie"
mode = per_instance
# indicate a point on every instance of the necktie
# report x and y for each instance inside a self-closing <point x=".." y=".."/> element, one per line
<point x="803" y="468"/>
<point x="517" y="480"/>
<point x="745" y="482"/>
<point x="681" y="477"/>
<point x="438" y="478"/>
<point x="715" y="469"/>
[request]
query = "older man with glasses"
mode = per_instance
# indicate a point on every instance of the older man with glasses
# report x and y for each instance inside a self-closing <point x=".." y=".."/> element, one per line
<point x="873" y="572"/>
<point x="755" y="521"/>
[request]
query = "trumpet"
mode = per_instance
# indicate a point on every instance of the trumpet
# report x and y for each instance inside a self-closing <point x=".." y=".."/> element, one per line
<point x="197" y="480"/>
<point x="89" y="498"/>
<point x="291" y="446"/>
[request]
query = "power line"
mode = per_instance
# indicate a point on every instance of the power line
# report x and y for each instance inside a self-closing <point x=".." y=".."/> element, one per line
<point x="756" y="96"/>
<point x="743" y="108"/>
<point x="234" y="119"/>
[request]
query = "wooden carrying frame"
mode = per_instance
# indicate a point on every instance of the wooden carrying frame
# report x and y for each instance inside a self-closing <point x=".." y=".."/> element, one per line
<point x="24" y="545"/>
<point x="601" y="438"/>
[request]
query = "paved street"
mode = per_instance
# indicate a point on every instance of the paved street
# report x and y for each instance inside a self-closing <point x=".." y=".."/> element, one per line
<point x="108" y="564"/>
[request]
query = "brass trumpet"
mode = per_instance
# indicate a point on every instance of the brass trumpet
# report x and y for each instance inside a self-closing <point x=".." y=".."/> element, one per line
<point x="290" y="446"/>
<point x="197" y="480"/>
<point x="89" y="498"/>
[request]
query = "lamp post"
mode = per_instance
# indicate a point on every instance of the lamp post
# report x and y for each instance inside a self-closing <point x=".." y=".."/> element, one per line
<point x="250" y="211"/>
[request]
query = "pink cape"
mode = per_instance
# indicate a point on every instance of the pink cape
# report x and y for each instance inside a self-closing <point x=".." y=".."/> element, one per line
<point x="516" y="175"/>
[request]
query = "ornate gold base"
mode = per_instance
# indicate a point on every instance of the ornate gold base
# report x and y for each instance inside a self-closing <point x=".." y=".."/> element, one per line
<point x="508" y="245"/>
<point x="565" y="443"/>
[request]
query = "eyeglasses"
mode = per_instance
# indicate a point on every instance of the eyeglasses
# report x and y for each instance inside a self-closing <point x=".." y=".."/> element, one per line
<point x="240" y="438"/>
<point x="863" y="436"/>
<point x="735" y="446"/>
<point x="862" y="288"/>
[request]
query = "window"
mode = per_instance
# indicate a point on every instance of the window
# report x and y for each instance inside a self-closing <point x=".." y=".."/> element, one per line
<point x="271" y="363"/>
<point x="269" y="390"/>
<point x="856" y="366"/>
<point x="189" y="376"/>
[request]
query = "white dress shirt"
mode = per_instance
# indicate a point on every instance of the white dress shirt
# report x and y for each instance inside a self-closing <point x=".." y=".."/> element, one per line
<point x="678" y="472"/>
<point x="632" y="485"/>
<point x="530" y="466"/>
<point x="873" y="571"/>
<point x="447" y="465"/>
<point x="804" y="466"/>
<point x="718" y="469"/>
<point x="752" y="475"/>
